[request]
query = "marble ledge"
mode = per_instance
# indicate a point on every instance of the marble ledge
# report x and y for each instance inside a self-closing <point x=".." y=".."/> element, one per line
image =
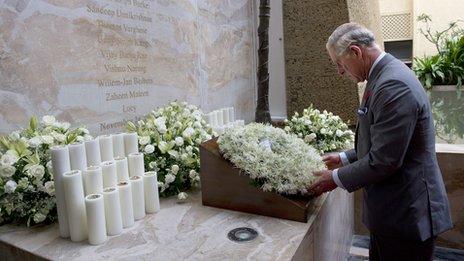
<point x="180" y="231"/>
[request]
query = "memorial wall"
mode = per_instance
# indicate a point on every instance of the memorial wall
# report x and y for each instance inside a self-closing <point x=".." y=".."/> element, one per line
<point x="102" y="62"/>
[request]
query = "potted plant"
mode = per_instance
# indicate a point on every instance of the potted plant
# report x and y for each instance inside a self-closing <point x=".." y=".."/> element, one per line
<point x="442" y="75"/>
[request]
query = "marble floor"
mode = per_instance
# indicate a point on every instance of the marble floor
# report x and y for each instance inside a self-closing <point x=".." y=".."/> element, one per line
<point x="360" y="251"/>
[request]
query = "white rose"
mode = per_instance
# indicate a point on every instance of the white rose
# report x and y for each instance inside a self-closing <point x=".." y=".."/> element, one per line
<point x="323" y="131"/>
<point x="330" y="132"/>
<point x="50" y="188"/>
<point x="80" y="139"/>
<point x="179" y="141"/>
<point x="332" y="146"/>
<point x="8" y="159"/>
<point x="193" y="174"/>
<point x="310" y="137"/>
<point x="189" y="148"/>
<point x="169" y="178"/>
<point x="339" y="133"/>
<point x="10" y="186"/>
<point x="62" y="125"/>
<point x="197" y="125"/>
<point x="149" y="149"/>
<point x="187" y="133"/>
<point x="7" y="171"/>
<point x="23" y="183"/>
<point x="162" y="129"/>
<point x="60" y="137"/>
<point x="36" y="171"/>
<point x="300" y="135"/>
<point x="48" y="120"/>
<point x="287" y="128"/>
<point x="175" y="169"/>
<point x="144" y="140"/>
<point x="47" y="139"/>
<point x="182" y="196"/>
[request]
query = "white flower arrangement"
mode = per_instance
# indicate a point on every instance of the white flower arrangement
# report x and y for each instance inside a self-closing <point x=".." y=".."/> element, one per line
<point x="274" y="160"/>
<point x="323" y="130"/>
<point x="27" y="192"/>
<point x="170" y="137"/>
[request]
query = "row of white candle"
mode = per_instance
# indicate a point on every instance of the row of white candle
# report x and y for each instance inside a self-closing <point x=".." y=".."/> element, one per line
<point x="220" y="129"/>
<point x="95" y="178"/>
<point x="220" y="117"/>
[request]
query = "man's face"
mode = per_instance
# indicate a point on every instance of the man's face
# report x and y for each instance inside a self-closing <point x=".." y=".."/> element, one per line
<point x="350" y="64"/>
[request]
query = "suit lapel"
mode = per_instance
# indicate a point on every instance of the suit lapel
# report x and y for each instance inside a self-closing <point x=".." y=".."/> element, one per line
<point x="368" y="91"/>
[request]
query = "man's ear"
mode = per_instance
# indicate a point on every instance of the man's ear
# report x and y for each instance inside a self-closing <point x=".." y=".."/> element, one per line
<point x="356" y="51"/>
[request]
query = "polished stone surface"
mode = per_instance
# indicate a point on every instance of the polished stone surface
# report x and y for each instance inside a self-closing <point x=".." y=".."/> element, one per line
<point x="191" y="231"/>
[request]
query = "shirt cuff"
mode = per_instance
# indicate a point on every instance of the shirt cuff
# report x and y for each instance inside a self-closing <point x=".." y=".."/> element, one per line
<point x="344" y="158"/>
<point x="336" y="179"/>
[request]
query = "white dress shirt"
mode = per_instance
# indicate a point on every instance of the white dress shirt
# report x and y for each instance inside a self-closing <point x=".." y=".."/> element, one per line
<point x="343" y="157"/>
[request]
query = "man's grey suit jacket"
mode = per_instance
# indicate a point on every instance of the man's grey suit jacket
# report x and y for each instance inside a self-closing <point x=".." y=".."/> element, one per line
<point x="394" y="159"/>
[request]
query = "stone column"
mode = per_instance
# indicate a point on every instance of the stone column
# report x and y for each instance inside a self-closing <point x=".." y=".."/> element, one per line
<point x="310" y="75"/>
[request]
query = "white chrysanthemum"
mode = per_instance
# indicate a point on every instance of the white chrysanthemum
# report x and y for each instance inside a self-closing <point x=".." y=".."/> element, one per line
<point x="285" y="168"/>
<point x="48" y="120"/>
<point x="149" y="149"/>
<point x="10" y="186"/>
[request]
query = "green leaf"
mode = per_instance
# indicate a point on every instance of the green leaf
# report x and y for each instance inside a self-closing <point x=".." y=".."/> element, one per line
<point x="33" y="124"/>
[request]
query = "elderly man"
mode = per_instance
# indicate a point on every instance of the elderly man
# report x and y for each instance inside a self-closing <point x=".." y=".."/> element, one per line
<point x="394" y="161"/>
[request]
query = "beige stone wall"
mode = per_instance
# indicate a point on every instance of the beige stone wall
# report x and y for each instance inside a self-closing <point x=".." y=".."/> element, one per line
<point x="104" y="61"/>
<point x="310" y="75"/>
<point x="442" y="13"/>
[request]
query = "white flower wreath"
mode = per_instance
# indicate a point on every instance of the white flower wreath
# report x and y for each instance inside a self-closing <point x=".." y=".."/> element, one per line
<point x="274" y="160"/>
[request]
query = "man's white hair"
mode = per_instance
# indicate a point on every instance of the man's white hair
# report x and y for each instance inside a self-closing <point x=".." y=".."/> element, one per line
<point x="349" y="34"/>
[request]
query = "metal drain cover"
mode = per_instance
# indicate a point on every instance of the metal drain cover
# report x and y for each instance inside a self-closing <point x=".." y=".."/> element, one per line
<point x="242" y="234"/>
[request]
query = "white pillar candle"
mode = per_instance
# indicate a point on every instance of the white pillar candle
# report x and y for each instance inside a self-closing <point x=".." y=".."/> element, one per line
<point x="214" y="119"/>
<point x="136" y="164"/>
<point x="225" y="115"/>
<point x="138" y="201"/>
<point x="231" y="114"/>
<point x="131" y="143"/>
<point x="96" y="223"/>
<point x="112" y="211"/>
<point x="106" y="147"/>
<point x="118" y="145"/>
<point x="92" y="152"/>
<point x="60" y="165"/>
<point x="122" y="169"/>
<point x="93" y="180"/>
<point x="209" y="119"/>
<point x="220" y="117"/>
<point x="77" y="156"/>
<point x="125" y="198"/>
<point x="110" y="177"/>
<point x="75" y="205"/>
<point x="150" y="188"/>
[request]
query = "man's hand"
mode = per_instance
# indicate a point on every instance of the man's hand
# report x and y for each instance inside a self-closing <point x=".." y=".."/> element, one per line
<point x="323" y="184"/>
<point x="332" y="160"/>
